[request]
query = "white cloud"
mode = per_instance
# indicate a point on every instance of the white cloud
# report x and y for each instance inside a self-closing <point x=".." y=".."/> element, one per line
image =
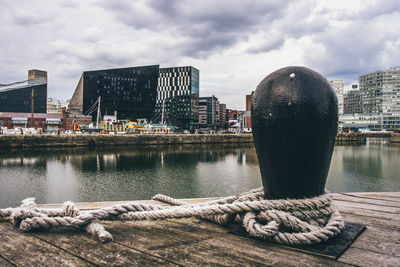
<point x="233" y="45"/>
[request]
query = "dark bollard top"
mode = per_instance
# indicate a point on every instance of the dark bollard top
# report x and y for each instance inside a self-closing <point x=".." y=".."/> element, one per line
<point x="294" y="120"/>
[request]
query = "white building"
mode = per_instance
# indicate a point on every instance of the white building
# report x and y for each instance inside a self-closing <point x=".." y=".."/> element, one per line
<point x="380" y="92"/>
<point x="55" y="105"/>
<point x="338" y="85"/>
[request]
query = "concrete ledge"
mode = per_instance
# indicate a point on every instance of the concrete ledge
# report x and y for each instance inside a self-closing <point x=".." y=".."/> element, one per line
<point x="350" y="138"/>
<point x="103" y="140"/>
<point x="395" y="138"/>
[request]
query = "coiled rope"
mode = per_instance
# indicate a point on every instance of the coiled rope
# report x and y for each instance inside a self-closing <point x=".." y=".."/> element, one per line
<point x="284" y="221"/>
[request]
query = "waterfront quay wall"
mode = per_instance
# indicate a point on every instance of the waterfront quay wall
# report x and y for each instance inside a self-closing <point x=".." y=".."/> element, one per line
<point x="378" y="134"/>
<point x="351" y="139"/>
<point x="395" y="138"/>
<point x="104" y="140"/>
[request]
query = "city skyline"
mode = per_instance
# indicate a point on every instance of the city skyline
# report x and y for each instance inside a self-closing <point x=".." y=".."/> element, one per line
<point x="234" y="46"/>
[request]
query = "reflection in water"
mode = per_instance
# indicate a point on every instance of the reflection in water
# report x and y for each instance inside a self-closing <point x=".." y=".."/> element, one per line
<point x="180" y="171"/>
<point x="373" y="167"/>
<point x="125" y="174"/>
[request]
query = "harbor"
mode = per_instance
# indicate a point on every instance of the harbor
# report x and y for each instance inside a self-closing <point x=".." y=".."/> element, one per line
<point x="149" y="133"/>
<point x="122" y="173"/>
<point x="196" y="242"/>
<point x="28" y="141"/>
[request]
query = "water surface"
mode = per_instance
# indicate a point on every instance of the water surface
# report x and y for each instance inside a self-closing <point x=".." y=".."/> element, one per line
<point x="132" y="173"/>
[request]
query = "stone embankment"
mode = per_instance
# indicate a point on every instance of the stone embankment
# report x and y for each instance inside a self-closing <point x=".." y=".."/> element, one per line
<point x="351" y="139"/>
<point x="395" y="138"/>
<point x="104" y="140"/>
<point x="379" y="134"/>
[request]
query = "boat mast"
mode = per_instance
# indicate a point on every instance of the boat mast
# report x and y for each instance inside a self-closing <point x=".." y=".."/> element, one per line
<point x="33" y="95"/>
<point x="162" y="112"/>
<point x="98" y="112"/>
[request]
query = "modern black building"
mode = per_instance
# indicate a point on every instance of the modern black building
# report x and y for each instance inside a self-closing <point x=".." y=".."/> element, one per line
<point x="17" y="97"/>
<point x="131" y="92"/>
<point x="178" y="96"/>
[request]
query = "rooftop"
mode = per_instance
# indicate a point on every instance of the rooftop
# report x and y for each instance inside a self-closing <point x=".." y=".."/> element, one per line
<point x="23" y="84"/>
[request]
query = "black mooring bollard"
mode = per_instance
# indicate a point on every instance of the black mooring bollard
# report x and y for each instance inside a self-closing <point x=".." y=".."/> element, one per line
<point x="294" y="120"/>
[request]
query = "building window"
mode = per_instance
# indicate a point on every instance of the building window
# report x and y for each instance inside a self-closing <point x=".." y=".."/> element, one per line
<point x="1" y="122"/>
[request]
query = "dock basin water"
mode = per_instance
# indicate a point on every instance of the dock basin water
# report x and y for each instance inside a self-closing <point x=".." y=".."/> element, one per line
<point x="181" y="171"/>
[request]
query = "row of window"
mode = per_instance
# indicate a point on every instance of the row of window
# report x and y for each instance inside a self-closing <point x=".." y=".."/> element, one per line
<point x="168" y="94"/>
<point x="36" y="122"/>
<point x="179" y="81"/>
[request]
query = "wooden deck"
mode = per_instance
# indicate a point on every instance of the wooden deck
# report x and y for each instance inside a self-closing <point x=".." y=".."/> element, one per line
<point x="193" y="242"/>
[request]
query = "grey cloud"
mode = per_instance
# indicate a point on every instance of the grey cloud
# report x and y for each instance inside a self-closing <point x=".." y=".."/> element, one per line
<point x="27" y="18"/>
<point x="203" y="47"/>
<point x="70" y="3"/>
<point x="297" y="22"/>
<point x="355" y="49"/>
<point x="339" y="43"/>
<point x="271" y="43"/>
<point x="376" y="9"/>
<point x="205" y="26"/>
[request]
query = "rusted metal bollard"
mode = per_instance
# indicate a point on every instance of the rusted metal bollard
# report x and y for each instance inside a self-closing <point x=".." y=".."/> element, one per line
<point x="294" y="121"/>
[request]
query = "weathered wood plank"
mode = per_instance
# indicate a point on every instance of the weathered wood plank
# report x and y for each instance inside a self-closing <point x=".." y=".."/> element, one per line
<point x="374" y="196"/>
<point x="82" y="245"/>
<point x="6" y="263"/>
<point x="197" y="242"/>
<point x="362" y="257"/>
<point x="375" y="239"/>
<point x="99" y="205"/>
<point x="368" y="221"/>
<point x="366" y="200"/>
<point x="233" y="246"/>
<point x="374" y="218"/>
<point x="93" y="205"/>
<point x="178" y="248"/>
<point x="379" y="195"/>
<point x="26" y="250"/>
<point x="379" y="240"/>
<point x="367" y="207"/>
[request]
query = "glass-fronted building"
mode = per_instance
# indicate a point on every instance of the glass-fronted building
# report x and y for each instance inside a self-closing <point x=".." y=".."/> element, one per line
<point x="128" y="92"/>
<point x="178" y="97"/>
<point x="17" y="97"/>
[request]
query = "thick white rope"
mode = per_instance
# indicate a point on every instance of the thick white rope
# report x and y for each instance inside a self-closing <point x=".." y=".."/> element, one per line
<point x="284" y="221"/>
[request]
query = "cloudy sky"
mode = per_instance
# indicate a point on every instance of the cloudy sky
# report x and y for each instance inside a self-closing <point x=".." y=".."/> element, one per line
<point x="234" y="44"/>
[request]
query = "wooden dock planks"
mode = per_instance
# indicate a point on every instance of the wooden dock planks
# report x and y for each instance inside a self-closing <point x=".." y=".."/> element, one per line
<point x="194" y="242"/>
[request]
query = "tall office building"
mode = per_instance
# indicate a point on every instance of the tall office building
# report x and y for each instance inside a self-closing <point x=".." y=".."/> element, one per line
<point x="178" y="96"/>
<point x="377" y="101"/>
<point x="17" y="97"/>
<point x="130" y="92"/>
<point x="338" y="86"/>
<point x="222" y="116"/>
<point x="380" y="92"/>
<point x="209" y="112"/>
<point x="352" y="102"/>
